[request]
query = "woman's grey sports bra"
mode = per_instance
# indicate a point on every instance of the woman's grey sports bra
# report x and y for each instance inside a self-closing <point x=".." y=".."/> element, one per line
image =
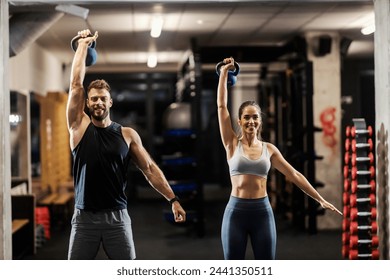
<point x="240" y="164"/>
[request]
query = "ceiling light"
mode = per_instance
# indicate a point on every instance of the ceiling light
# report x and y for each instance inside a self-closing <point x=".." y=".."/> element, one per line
<point x="368" y="29"/>
<point x="14" y="119"/>
<point x="152" y="60"/>
<point x="157" y="23"/>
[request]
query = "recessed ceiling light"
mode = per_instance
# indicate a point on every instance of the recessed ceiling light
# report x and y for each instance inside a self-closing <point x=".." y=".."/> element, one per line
<point x="157" y="23"/>
<point x="368" y="29"/>
<point x="152" y="60"/>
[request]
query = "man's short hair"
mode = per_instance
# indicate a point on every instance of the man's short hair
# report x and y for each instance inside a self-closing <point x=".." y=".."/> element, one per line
<point x="99" y="84"/>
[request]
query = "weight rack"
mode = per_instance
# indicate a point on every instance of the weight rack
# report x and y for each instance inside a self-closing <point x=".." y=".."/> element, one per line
<point x="359" y="237"/>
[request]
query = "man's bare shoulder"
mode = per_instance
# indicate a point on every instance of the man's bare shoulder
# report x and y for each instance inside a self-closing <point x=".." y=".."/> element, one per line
<point x="130" y="134"/>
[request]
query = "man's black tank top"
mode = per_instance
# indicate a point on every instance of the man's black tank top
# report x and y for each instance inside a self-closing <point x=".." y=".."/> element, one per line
<point x="100" y="169"/>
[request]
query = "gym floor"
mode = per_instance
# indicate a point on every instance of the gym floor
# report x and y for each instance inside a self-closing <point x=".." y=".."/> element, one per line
<point x="157" y="239"/>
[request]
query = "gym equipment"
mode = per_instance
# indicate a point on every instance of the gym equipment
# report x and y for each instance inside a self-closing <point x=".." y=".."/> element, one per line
<point x="346" y="158"/>
<point x="183" y="186"/>
<point x="177" y="116"/>
<point x="354" y="241"/>
<point x="346" y="225"/>
<point x="347" y="185"/>
<point x="348" y="131"/>
<point x="354" y="200"/>
<point x="356" y="159"/>
<point x="345" y="251"/>
<point x="355" y="145"/>
<point x="356" y="172"/>
<point x="346" y="198"/>
<point x="354" y="255"/>
<point x="355" y="131"/>
<point x="91" y="51"/>
<point x="178" y="166"/>
<point x="359" y="222"/>
<point x="345" y="237"/>
<point x="232" y="75"/>
<point x="355" y="213"/>
<point x="347" y="145"/>
<point x="179" y="156"/>
<point x="42" y="217"/>
<point x="355" y="186"/>
<point x="354" y="227"/>
<point x="346" y="171"/>
<point x="346" y="212"/>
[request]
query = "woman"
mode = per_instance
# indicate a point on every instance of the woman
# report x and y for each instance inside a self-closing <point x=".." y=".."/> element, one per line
<point x="248" y="212"/>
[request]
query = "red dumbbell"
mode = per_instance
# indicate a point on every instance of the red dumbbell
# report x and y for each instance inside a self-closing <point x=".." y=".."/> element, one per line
<point x="355" y="241"/>
<point x="369" y="145"/>
<point x="356" y="159"/>
<point x="355" y="227"/>
<point x="345" y="238"/>
<point x="355" y="186"/>
<point x="346" y="211"/>
<point x="346" y="225"/>
<point x="348" y="131"/>
<point x="354" y="200"/>
<point x="355" y="214"/>
<point x="345" y="251"/>
<point x="355" y="131"/>
<point x="356" y="172"/>
<point x="347" y="145"/>
<point x="346" y="198"/>
<point x="354" y="255"/>
<point x="347" y="185"/>
<point x="346" y="158"/>
<point x="346" y="171"/>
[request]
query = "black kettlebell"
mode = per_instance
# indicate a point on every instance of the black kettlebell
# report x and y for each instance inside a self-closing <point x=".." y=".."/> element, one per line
<point x="91" y="52"/>
<point x="232" y="75"/>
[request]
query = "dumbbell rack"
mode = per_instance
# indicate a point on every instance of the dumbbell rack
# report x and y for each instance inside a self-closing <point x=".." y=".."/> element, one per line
<point x="359" y="238"/>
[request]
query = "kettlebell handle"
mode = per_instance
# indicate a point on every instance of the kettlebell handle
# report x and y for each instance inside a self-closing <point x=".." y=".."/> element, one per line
<point x="91" y="57"/>
<point x="75" y="42"/>
<point x="234" y="73"/>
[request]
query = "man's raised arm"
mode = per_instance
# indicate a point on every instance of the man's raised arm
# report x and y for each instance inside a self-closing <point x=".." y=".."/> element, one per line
<point x="76" y="101"/>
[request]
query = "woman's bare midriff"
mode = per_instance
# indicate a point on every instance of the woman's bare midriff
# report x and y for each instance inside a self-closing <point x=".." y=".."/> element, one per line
<point x="248" y="186"/>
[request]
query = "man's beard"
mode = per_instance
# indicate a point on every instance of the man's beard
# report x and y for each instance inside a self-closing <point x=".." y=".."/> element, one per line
<point x="99" y="117"/>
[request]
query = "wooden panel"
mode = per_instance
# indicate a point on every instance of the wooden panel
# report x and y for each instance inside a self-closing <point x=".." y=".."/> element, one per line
<point x="18" y="224"/>
<point x="55" y="149"/>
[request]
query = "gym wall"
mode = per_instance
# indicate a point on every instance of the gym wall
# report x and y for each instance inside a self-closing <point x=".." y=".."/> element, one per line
<point x="324" y="52"/>
<point x="36" y="70"/>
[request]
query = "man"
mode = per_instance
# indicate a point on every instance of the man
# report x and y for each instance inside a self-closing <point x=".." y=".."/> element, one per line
<point x="102" y="150"/>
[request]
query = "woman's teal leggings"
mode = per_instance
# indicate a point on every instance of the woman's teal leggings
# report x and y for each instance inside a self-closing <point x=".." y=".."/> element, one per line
<point x="245" y="218"/>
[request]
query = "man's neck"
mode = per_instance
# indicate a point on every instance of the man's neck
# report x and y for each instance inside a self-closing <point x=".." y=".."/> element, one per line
<point x="103" y="123"/>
